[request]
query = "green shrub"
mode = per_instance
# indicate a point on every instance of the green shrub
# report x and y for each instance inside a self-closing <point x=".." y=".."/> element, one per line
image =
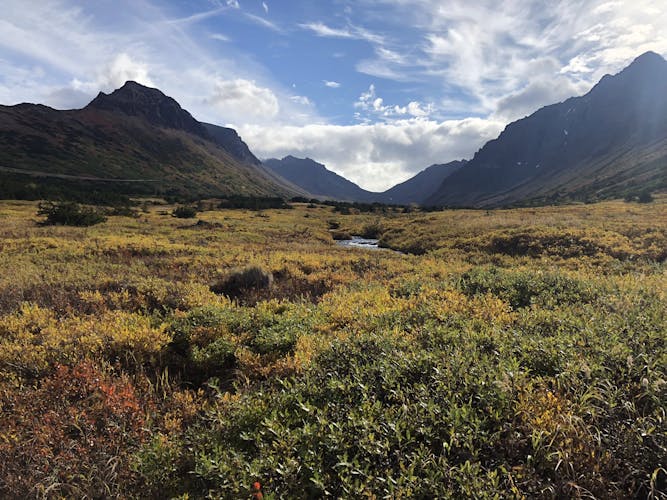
<point x="253" y="202"/>
<point x="69" y="214"/>
<point x="197" y="350"/>
<point x="521" y="289"/>
<point x="645" y="197"/>
<point x="372" y="230"/>
<point x="184" y="212"/>
<point x="215" y="358"/>
<point x="279" y="339"/>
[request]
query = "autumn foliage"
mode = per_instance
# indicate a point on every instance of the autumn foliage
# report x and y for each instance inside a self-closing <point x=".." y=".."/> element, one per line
<point x="480" y="354"/>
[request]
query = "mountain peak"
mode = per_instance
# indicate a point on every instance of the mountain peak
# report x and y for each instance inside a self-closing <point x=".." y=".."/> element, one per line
<point x="129" y="91"/>
<point x="649" y="58"/>
<point x="151" y="104"/>
<point x="647" y="66"/>
<point x="583" y="148"/>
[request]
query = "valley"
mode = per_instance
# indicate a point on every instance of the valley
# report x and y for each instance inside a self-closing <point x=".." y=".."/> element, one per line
<point x="514" y="352"/>
<point x="183" y="317"/>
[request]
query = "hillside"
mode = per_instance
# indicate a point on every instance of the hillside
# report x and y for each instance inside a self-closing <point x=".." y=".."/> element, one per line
<point x="610" y="142"/>
<point x="317" y="179"/>
<point x="419" y="188"/>
<point x="323" y="183"/>
<point x="137" y="134"/>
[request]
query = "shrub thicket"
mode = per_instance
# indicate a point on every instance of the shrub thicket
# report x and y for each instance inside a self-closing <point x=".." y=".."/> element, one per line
<point x="253" y="202"/>
<point x="69" y="214"/>
<point x="185" y="212"/>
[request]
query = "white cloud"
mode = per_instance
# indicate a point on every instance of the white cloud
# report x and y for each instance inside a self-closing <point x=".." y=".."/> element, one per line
<point x="301" y="99"/>
<point x="370" y="104"/>
<point x="264" y="23"/>
<point x="220" y="37"/>
<point x="265" y="7"/>
<point x="536" y="94"/>
<point x="350" y="31"/>
<point x="234" y="4"/>
<point x="490" y="52"/>
<point x="199" y="16"/>
<point x="376" y="156"/>
<point x="121" y="69"/>
<point x="68" y="98"/>
<point x="241" y="100"/>
<point x="331" y="84"/>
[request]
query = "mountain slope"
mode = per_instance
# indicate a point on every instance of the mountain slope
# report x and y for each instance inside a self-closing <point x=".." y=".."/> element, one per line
<point x="423" y="185"/>
<point x="229" y="140"/>
<point x="608" y="142"/>
<point x="317" y="179"/>
<point x="134" y="133"/>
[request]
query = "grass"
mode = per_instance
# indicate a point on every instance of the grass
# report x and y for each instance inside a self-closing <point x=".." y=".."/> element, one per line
<point x="506" y="353"/>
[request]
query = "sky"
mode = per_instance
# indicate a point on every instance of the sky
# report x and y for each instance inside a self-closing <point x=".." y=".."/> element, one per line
<point x="377" y="90"/>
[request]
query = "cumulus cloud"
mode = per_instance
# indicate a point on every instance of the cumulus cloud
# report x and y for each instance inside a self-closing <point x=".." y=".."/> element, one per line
<point x="331" y="84"/>
<point x="121" y="69"/>
<point x="242" y="100"/>
<point x="370" y="104"/>
<point x="376" y="156"/>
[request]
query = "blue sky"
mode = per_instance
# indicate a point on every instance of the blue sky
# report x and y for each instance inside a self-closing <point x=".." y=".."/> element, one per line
<point x="375" y="89"/>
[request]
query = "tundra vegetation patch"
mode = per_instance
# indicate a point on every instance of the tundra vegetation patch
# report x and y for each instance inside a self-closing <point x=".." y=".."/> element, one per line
<point x="506" y="353"/>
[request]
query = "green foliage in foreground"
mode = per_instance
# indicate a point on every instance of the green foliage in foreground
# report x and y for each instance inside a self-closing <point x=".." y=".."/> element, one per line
<point x="560" y="401"/>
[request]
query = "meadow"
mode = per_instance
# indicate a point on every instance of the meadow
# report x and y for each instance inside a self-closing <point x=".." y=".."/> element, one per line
<point x="483" y="354"/>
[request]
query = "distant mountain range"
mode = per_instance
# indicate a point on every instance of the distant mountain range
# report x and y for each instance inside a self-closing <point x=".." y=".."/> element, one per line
<point x="317" y="179"/>
<point x="138" y="137"/>
<point x="323" y="183"/>
<point x="422" y="186"/>
<point x="610" y="142"/>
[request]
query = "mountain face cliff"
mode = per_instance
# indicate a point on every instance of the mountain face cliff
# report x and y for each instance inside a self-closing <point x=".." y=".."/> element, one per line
<point x="136" y="135"/>
<point x="609" y="142"/>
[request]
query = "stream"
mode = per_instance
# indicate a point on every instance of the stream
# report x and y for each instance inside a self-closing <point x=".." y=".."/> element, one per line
<point x="359" y="242"/>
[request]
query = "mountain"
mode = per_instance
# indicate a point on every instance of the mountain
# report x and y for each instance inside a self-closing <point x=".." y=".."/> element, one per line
<point x="422" y="186"/>
<point x="610" y="142"/>
<point x="319" y="181"/>
<point x="153" y="106"/>
<point x="229" y="140"/>
<point x="137" y="138"/>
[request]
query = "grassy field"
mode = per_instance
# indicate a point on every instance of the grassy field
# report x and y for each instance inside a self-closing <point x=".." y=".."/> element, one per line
<point x="500" y="354"/>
